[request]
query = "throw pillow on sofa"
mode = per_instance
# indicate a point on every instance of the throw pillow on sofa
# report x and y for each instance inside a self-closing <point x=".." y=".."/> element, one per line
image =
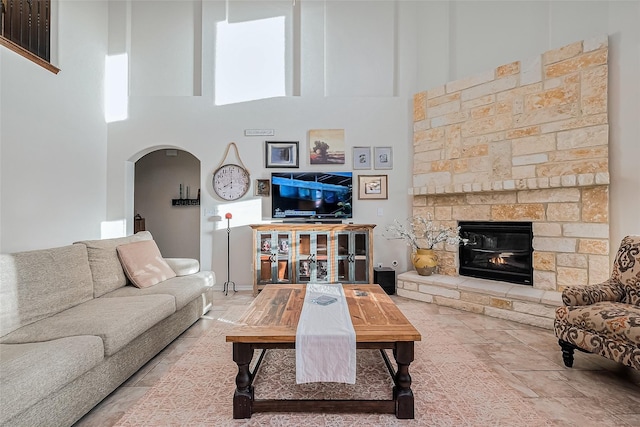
<point x="143" y="264"/>
<point x="106" y="268"/>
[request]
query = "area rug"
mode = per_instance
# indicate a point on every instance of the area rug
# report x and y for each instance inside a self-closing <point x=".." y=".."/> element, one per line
<point x="452" y="387"/>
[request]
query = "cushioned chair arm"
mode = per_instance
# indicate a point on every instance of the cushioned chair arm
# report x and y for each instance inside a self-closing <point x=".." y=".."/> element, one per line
<point x="183" y="266"/>
<point x="611" y="290"/>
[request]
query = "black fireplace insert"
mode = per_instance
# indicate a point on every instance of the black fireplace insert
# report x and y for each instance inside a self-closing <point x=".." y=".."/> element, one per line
<point x="497" y="250"/>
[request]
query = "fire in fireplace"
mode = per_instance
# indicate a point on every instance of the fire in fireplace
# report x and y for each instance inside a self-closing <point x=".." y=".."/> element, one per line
<point x="497" y="250"/>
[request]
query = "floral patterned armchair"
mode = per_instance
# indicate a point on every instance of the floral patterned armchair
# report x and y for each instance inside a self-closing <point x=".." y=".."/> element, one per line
<point x="605" y="319"/>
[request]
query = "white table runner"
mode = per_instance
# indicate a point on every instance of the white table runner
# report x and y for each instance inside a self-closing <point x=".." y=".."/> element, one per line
<point x="325" y="338"/>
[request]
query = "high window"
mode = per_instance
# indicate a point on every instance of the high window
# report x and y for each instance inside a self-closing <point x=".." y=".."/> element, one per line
<point x="239" y="48"/>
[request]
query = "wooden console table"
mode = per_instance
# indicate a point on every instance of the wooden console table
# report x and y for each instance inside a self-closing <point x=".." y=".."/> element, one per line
<point x="311" y="253"/>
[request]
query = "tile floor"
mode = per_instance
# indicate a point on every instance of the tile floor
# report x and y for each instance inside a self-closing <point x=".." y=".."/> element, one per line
<point x="595" y="392"/>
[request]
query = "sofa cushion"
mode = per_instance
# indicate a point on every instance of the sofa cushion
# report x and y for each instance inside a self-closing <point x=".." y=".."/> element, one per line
<point x="184" y="289"/>
<point x="183" y="266"/>
<point x="143" y="264"/>
<point x="33" y="371"/>
<point x="104" y="262"/>
<point x="618" y="321"/>
<point x="116" y="320"/>
<point x="38" y="284"/>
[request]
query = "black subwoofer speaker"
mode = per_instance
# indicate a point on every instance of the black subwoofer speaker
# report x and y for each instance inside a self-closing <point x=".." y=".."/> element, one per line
<point x="386" y="278"/>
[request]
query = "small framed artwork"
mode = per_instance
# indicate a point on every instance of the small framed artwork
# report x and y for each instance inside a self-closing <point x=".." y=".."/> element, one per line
<point x="362" y="157"/>
<point x="326" y="147"/>
<point x="372" y="187"/>
<point x="382" y="158"/>
<point x="281" y="154"/>
<point x="262" y="188"/>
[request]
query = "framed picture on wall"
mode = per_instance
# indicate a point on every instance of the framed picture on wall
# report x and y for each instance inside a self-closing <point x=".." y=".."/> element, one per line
<point x="281" y="154"/>
<point x="382" y="158"/>
<point x="326" y="147"/>
<point x="362" y="157"/>
<point x="262" y="188"/>
<point x="372" y="187"/>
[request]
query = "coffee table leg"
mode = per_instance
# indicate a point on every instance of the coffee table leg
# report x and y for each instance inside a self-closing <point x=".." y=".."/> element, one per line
<point x="243" y="396"/>
<point x="402" y="392"/>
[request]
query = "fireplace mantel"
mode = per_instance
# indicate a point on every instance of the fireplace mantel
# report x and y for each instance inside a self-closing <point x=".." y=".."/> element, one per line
<point x="566" y="181"/>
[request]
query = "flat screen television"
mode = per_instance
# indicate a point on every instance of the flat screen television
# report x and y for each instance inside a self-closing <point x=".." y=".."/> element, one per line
<point x="311" y="195"/>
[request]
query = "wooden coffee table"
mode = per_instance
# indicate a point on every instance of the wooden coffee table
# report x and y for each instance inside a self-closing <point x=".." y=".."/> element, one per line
<point x="271" y="322"/>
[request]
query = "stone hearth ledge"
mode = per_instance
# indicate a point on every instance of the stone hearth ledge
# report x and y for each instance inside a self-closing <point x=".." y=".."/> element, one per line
<point x="519" y="303"/>
<point x="570" y="181"/>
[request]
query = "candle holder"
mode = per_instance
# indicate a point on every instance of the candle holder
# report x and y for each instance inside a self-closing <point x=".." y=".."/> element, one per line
<point x="229" y="282"/>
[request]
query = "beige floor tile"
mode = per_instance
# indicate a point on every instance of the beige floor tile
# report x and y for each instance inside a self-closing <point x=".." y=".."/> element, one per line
<point x="479" y="321"/>
<point x="628" y="419"/>
<point x="519" y="357"/>
<point x="112" y="407"/>
<point x="498" y="336"/>
<point x="538" y="339"/>
<point x="154" y="375"/>
<point x="567" y="412"/>
<point x="548" y="383"/>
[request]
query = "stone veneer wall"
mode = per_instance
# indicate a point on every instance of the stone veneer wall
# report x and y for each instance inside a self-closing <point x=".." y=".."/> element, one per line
<point x="526" y="141"/>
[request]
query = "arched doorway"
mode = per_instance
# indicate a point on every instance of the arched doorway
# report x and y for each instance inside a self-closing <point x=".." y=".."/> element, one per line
<point x="159" y="177"/>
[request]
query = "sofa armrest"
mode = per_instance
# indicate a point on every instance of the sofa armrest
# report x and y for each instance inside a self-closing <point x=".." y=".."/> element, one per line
<point x="183" y="266"/>
<point x="610" y="290"/>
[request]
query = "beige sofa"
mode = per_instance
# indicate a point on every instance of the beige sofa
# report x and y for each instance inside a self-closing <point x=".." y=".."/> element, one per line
<point x="72" y="327"/>
<point x="605" y="318"/>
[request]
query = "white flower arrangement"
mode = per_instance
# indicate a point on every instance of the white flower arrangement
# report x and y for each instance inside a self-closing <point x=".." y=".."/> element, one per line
<point x="422" y="233"/>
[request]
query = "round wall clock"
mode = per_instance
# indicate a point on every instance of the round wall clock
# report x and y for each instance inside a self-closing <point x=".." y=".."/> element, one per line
<point x="230" y="182"/>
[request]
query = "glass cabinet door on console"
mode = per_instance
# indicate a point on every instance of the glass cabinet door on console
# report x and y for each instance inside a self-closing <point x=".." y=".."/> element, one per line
<point x="313" y="257"/>
<point x="311" y="253"/>
<point x="352" y="251"/>
<point x="274" y="257"/>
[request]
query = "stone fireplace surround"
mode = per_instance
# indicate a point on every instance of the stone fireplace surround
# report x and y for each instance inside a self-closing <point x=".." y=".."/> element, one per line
<point x="526" y="141"/>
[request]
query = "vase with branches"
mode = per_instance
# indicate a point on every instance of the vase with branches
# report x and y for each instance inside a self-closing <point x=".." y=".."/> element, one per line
<point x="422" y="234"/>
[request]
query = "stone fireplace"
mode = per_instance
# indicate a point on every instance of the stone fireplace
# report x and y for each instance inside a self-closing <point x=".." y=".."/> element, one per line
<point x="524" y="142"/>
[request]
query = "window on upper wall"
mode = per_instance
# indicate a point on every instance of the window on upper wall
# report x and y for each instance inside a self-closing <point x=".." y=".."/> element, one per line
<point x="25" y="27"/>
<point x="240" y="49"/>
<point x="254" y="56"/>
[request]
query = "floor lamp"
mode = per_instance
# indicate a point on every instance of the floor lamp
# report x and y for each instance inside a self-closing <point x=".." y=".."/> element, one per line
<point x="225" y="287"/>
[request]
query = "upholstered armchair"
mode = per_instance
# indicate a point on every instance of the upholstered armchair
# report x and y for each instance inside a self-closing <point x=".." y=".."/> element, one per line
<point x="605" y="319"/>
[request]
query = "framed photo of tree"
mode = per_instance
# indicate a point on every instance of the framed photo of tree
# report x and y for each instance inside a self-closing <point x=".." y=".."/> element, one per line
<point x="326" y="147"/>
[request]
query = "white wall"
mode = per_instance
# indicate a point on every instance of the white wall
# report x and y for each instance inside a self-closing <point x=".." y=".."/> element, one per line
<point x="360" y="48"/>
<point x="624" y="127"/>
<point x="162" y="49"/>
<point x="60" y="181"/>
<point x="53" y="137"/>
